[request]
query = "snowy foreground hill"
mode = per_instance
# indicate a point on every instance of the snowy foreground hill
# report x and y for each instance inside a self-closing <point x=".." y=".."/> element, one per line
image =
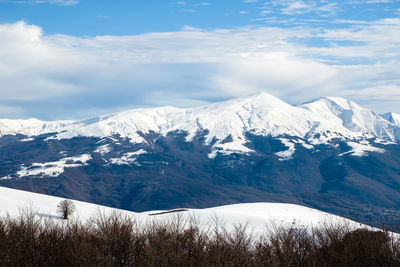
<point x="258" y="217"/>
<point x="329" y="153"/>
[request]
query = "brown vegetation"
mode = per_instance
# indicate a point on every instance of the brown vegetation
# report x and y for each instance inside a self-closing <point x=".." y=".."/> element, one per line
<point x="117" y="240"/>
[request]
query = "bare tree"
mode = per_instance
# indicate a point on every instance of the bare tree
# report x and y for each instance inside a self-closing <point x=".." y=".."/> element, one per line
<point x="65" y="208"/>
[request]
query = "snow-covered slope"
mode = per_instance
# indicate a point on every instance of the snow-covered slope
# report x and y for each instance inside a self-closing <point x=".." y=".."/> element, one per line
<point x="392" y="117"/>
<point x="344" y="117"/>
<point x="257" y="216"/>
<point x="227" y="123"/>
<point x="31" y="127"/>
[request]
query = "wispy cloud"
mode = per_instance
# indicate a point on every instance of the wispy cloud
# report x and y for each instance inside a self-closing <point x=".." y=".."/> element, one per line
<point x="56" y="2"/>
<point x="183" y="3"/>
<point x="378" y="1"/>
<point x="61" y="2"/>
<point x="297" y="7"/>
<point x="101" y="16"/>
<point x="191" y="7"/>
<point x="302" y="7"/>
<point x="187" y="10"/>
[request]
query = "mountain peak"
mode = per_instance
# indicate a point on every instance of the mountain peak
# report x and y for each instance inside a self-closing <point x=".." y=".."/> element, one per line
<point x="261" y="101"/>
<point x="336" y="103"/>
<point x="261" y="95"/>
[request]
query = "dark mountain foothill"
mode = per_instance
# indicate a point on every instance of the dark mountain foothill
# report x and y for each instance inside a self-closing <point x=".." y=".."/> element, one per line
<point x="174" y="173"/>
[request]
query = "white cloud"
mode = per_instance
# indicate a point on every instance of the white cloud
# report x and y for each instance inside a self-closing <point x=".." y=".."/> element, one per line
<point x="378" y="1"/>
<point x="380" y="98"/>
<point x="30" y="66"/>
<point x="290" y="7"/>
<point x="265" y="12"/>
<point x="377" y="40"/>
<point x="297" y="7"/>
<point x="63" y="2"/>
<point x="80" y="77"/>
<point x="328" y="8"/>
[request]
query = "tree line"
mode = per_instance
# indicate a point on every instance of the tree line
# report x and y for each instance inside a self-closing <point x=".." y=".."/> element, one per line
<point x="118" y="240"/>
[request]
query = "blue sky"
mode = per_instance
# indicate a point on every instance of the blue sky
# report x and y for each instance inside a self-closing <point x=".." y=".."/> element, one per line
<point x="129" y="17"/>
<point x="71" y="59"/>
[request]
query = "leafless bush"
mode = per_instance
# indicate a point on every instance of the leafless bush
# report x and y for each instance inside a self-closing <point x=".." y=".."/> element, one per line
<point x="118" y="240"/>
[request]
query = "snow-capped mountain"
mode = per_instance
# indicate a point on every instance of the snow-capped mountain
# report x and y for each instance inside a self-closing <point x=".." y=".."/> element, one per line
<point x="330" y="153"/>
<point x="316" y="122"/>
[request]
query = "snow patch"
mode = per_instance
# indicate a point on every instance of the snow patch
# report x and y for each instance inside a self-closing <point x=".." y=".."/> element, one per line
<point x="384" y="142"/>
<point x="286" y="154"/>
<point x="361" y="149"/>
<point x="303" y="143"/>
<point x="104" y="149"/>
<point x="127" y="158"/>
<point x="230" y="148"/>
<point x="27" y="139"/>
<point x="50" y="169"/>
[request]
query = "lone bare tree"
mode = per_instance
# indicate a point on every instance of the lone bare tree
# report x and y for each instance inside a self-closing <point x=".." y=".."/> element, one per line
<point x="65" y="208"/>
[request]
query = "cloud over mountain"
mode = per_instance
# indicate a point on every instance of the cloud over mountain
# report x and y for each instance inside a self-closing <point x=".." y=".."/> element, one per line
<point x="194" y="66"/>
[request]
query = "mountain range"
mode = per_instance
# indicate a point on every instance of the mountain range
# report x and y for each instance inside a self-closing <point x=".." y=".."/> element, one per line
<point x="330" y="154"/>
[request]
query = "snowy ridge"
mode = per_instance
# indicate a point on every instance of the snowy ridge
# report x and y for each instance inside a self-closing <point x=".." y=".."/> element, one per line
<point x="392" y="117"/>
<point x="316" y="122"/>
<point x="257" y="216"/>
<point x="31" y="127"/>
